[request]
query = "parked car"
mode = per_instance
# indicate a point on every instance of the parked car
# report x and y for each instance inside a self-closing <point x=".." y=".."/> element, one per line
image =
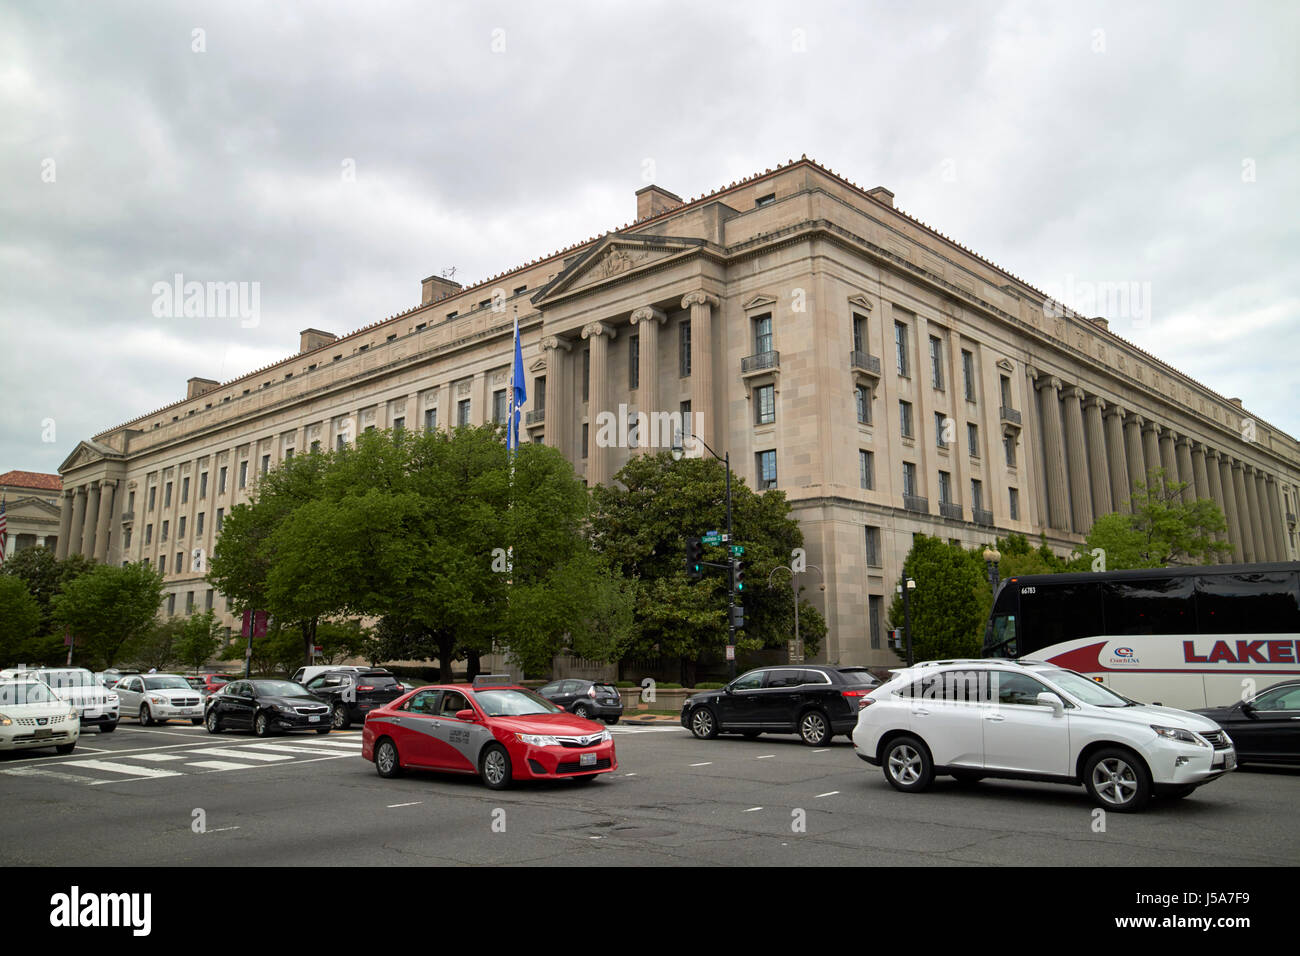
<point x="1030" y="720"/>
<point x="1265" y="728"/>
<point x="586" y="698"/>
<point x="815" y="701"/>
<point x="353" y="693"/>
<point x="32" y="716"/>
<point x="98" y="705"/>
<point x="214" y="682"/>
<point x="264" y="707"/>
<point x="158" y="698"/>
<point x="496" y="729"/>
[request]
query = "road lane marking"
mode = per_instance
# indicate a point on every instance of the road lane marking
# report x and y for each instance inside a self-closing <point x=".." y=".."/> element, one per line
<point x="752" y="809"/>
<point x="244" y="753"/>
<point x="222" y="829"/>
<point x="827" y="750"/>
<point x="765" y="757"/>
<point x="157" y="758"/>
<point x="705" y="764"/>
<point x="123" y="768"/>
<point x="292" y="749"/>
<point x="352" y="744"/>
<point x="215" y="765"/>
<point x="629" y="775"/>
<point x="829" y="793"/>
<point x="415" y="803"/>
<point x="52" y="774"/>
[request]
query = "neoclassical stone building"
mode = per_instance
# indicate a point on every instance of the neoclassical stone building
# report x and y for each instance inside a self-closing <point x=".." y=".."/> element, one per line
<point x="31" y="510"/>
<point x="890" y="381"/>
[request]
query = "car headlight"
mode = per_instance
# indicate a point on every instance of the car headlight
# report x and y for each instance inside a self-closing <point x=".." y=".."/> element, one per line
<point x="538" y="740"/>
<point x="5" y="721"/>
<point x="74" y="714"/>
<point x="111" y="700"/>
<point x="605" y="735"/>
<point x="1174" y="733"/>
<point x="158" y="699"/>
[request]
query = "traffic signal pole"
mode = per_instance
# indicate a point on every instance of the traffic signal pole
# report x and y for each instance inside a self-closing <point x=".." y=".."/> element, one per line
<point x="731" y="589"/>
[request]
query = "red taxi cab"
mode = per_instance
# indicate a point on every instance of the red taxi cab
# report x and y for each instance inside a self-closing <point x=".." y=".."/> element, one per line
<point x="495" y="728"/>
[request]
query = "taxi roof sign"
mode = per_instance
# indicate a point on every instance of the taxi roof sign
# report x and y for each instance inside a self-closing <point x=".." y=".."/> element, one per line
<point x="494" y="680"/>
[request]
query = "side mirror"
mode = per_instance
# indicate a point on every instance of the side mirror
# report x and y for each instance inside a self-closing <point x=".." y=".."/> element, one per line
<point x="1051" y="700"/>
<point x="1248" y="709"/>
<point x="466" y="715"/>
<point x="727" y="689"/>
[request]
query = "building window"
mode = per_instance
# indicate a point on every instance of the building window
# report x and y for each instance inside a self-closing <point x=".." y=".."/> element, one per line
<point x="766" y="470"/>
<point x="909" y="478"/>
<point x="586" y="431"/>
<point x="198" y="524"/>
<point x="633" y="361"/>
<point x="539" y="393"/>
<point x="180" y="560"/>
<point x="977" y="494"/>
<point x="171" y="604"/>
<point x="500" y="408"/>
<point x="180" y="528"/>
<point x="945" y="488"/>
<point x="462" y="412"/>
<point x="148" y="534"/>
<point x="874" y="620"/>
<point x="207" y="600"/>
<point x="430" y="419"/>
<point x="900" y="348"/>
<point x="1009" y="443"/>
<point x="152" y="496"/>
<point x="765" y="407"/>
<point x="162" y="564"/>
<point x="243" y="471"/>
<point x="221" y="480"/>
<point x="973" y="439"/>
<point x="866" y="469"/>
<point x="936" y="362"/>
<point x="167" y="495"/>
<point x="185" y="489"/>
<point x="126" y="539"/>
<point x="940" y="429"/>
<point x="221" y="518"/>
<point x="765" y="200"/>
<point x="684" y="412"/>
<point x="860" y="333"/>
<point x="873" y="546"/>
<point x="339" y="441"/>
<point x="1004" y="385"/>
<point x="189" y="602"/>
<point x="203" y="485"/>
<point x="165" y="526"/>
<point x="862" y="398"/>
<point x="905" y="419"/>
<point x="398" y="424"/>
<point x="266" y="464"/>
<point x="763" y="333"/>
<point x="1013" y="503"/>
<point x="684" y="348"/>
<point x="968" y="375"/>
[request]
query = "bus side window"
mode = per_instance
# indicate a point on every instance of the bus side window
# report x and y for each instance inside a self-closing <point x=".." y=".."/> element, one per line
<point x="1155" y="606"/>
<point x="1255" y="602"/>
<point x="1004" y="635"/>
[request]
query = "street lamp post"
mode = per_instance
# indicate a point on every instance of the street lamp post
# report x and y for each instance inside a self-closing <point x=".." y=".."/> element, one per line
<point x="731" y="563"/>
<point x="797" y="656"/>
<point x="906" y="590"/>
<point x="991" y="559"/>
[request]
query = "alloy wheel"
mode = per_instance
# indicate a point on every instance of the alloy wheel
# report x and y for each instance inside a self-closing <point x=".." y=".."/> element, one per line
<point x="1114" y="781"/>
<point x="905" y="764"/>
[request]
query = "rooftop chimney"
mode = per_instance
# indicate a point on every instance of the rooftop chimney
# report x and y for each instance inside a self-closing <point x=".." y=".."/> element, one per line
<point x="197" y="386"/>
<point x="436" y="287"/>
<point x="652" y="200"/>
<point x="1100" y="322"/>
<point x="882" y="194"/>
<point x="309" y="339"/>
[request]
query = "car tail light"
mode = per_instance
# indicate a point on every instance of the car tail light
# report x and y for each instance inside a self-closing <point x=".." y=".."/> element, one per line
<point x="365" y="687"/>
<point x="864" y="703"/>
<point x="855" y="693"/>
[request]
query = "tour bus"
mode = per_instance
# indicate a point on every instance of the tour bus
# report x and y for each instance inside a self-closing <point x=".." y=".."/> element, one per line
<point x="1183" y="637"/>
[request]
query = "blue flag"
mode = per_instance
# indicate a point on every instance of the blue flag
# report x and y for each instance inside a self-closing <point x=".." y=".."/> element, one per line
<point x="518" y="393"/>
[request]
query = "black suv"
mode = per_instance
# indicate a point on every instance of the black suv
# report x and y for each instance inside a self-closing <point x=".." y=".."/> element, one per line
<point x="586" y="698"/>
<point x="353" y="692"/>
<point x="815" y="701"/>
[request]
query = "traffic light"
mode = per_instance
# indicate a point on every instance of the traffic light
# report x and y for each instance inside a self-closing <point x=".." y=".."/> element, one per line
<point x="738" y="575"/>
<point x="694" y="559"/>
<point x="737" y="616"/>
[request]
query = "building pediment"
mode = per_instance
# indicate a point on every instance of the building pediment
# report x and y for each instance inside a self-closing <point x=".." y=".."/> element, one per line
<point x="614" y="257"/>
<point x="87" y="453"/>
<point x="17" y="509"/>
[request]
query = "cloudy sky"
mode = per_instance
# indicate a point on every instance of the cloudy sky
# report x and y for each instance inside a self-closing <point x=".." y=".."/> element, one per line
<point x="336" y="154"/>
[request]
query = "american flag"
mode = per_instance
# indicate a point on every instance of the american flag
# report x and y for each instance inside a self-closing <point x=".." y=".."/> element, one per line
<point x="4" y="531"/>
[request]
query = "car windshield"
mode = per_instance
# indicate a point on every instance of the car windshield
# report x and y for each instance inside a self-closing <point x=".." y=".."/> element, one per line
<point x="1086" y="689"/>
<point x="26" y="692"/>
<point x="278" y="688"/>
<point x="514" y="703"/>
<point x="165" y="683"/>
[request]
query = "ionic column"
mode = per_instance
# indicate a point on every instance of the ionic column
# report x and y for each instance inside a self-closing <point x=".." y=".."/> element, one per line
<point x="599" y="335"/>
<point x="1150" y="451"/>
<point x="559" y="409"/>
<point x="1228" y="501"/>
<point x="65" y="524"/>
<point x="1248" y="553"/>
<point x="647" y="321"/>
<point x="701" y="305"/>
<point x="1137" y="469"/>
<point x="92" y="520"/>
<point x="1168" y="460"/>
<point x="1260" y="503"/>
<point x="1076" y="456"/>
<point x="105" y="523"/>
<point x="1058" y="504"/>
<point x="1116" y="466"/>
<point x="1098" y="458"/>
<point x="1273" y="508"/>
<point x="1186" y="473"/>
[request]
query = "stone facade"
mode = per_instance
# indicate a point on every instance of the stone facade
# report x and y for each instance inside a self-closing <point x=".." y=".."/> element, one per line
<point x="31" y="510"/>
<point x="888" y="380"/>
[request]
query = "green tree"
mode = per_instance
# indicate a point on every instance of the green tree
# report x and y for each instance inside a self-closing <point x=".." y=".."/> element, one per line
<point x="198" y="641"/>
<point x="1163" y="529"/>
<point x="156" y="648"/>
<point x="20" y="613"/>
<point x="45" y="578"/>
<point x="108" y="607"/>
<point x="951" y="601"/>
<point x="1019" y="559"/>
<point x="641" y="524"/>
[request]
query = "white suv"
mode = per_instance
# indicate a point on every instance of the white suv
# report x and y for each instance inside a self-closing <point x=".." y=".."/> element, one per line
<point x="1030" y="720"/>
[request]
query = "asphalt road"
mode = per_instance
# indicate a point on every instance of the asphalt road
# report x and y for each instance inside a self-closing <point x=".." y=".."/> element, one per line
<point x="130" y="798"/>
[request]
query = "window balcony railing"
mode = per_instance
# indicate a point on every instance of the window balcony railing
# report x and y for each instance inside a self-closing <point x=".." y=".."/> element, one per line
<point x="1011" y="415"/>
<point x="864" y="362"/>
<point x="760" y="362"/>
<point x="535" y="417"/>
<point x="982" y="517"/>
<point x="950" y="510"/>
<point x="916" y="503"/>
<point x="128" y="516"/>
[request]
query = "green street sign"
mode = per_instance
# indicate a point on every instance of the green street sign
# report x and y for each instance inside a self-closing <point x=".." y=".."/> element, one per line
<point x="711" y="537"/>
<point x="737" y="549"/>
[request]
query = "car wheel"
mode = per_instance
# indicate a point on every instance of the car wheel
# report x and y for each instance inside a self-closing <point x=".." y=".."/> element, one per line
<point x="611" y="721"/>
<point x="907" y="765"/>
<point x="196" y="721"/>
<point x="66" y="748"/>
<point x="213" y="722"/>
<point x="495" y="767"/>
<point x="814" y="729"/>
<point x="146" y="718"/>
<point x="1117" y="781"/>
<point x="341" y="720"/>
<point x="967" y="777"/>
<point x="703" y="724"/>
<point x="322" y="730"/>
<point x="108" y="728"/>
<point x="262" y="725"/>
<point x="582" y="710"/>
<point x="387" y="763"/>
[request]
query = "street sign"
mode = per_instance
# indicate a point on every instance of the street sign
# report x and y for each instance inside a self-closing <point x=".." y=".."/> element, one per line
<point x="737" y="549"/>
<point x="731" y="652"/>
<point x="711" y="537"/>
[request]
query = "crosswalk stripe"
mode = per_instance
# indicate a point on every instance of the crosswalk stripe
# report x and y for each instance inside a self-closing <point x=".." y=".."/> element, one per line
<point x="122" y="768"/>
<point x="50" y="774"/>
<point x="353" y="744"/>
<point x="155" y="758"/>
<point x="218" y="765"/>
<point x="290" y="748"/>
<point x="243" y="753"/>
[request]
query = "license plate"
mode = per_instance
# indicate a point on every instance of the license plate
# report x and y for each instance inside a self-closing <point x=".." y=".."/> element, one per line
<point x="1230" y="762"/>
<point x="47" y="732"/>
<point x="313" y="720"/>
<point x="587" y="760"/>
